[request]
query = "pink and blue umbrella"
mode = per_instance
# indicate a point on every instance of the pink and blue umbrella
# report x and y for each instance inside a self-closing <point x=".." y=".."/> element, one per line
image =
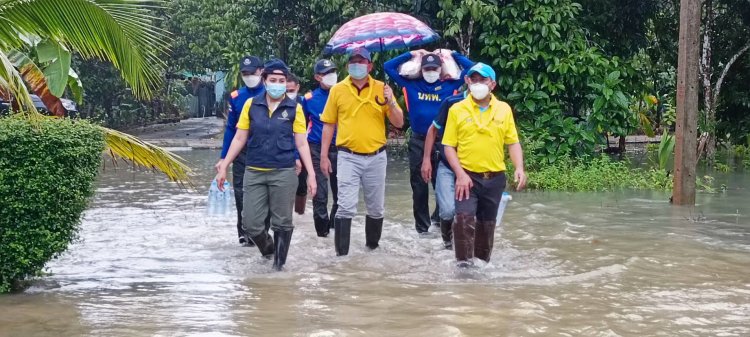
<point x="380" y="32"/>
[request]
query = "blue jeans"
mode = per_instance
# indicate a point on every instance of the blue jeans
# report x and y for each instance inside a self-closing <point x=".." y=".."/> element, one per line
<point x="445" y="188"/>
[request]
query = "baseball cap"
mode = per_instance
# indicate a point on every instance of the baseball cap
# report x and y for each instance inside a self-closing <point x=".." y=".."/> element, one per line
<point x="275" y="66"/>
<point x="250" y="63"/>
<point x="431" y="60"/>
<point x="360" y="51"/>
<point x="482" y="69"/>
<point x="323" y="66"/>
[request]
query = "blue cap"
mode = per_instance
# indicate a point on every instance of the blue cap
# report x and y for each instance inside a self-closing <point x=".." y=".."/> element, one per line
<point x="275" y="66"/>
<point x="323" y="66"/>
<point x="482" y="69"/>
<point x="361" y="51"/>
<point x="250" y="63"/>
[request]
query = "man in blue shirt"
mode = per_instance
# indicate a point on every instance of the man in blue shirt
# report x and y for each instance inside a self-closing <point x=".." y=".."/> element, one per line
<point x="251" y="68"/>
<point x="423" y="97"/>
<point x="445" y="179"/>
<point x="313" y="104"/>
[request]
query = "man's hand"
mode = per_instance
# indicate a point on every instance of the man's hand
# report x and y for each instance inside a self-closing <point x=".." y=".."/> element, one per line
<point x="297" y="166"/>
<point x="312" y="186"/>
<point x="388" y="94"/>
<point x="418" y="53"/>
<point x="221" y="174"/>
<point x="426" y="170"/>
<point x="463" y="186"/>
<point x="325" y="166"/>
<point x="520" y="178"/>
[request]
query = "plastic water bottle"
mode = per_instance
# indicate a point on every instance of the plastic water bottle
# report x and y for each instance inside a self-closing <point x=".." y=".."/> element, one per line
<point x="219" y="202"/>
<point x="228" y="198"/>
<point x="213" y="194"/>
<point x="501" y="208"/>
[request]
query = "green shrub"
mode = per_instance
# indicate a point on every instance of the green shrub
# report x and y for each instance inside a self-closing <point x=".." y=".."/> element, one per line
<point x="596" y="174"/>
<point x="47" y="174"/>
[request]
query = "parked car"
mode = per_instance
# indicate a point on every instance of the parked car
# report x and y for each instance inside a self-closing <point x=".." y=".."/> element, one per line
<point x="71" y="109"/>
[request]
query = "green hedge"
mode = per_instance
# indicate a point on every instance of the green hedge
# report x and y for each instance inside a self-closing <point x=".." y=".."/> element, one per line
<point x="47" y="174"/>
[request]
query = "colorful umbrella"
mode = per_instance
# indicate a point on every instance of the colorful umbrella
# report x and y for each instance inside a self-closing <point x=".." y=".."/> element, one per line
<point x="380" y="32"/>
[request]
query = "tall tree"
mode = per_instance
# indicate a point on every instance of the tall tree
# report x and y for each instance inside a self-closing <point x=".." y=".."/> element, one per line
<point x="726" y="25"/>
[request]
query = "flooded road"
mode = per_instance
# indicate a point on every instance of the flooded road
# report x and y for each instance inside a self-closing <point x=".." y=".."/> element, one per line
<point x="151" y="263"/>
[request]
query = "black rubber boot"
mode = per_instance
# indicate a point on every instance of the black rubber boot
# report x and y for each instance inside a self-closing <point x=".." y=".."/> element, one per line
<point x="464" y="229"/>
<point x="282" y="238"/>
<point x="332" y="216"/>
<point x="343" y="228"/>
<point x="446" y="230"/>
<point x="373" y="230"/>
<point x="299" y="204"/>
<point x="321" y="227"/>
<point x="485" y="240"/>
<point x="264" y="243"/>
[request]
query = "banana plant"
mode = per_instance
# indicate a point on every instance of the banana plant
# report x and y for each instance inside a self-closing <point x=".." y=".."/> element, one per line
<point x="37" y="38"/>
<point x="666" y="149"/>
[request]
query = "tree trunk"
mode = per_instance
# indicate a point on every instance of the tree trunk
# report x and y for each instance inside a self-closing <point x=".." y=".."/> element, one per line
<point x="707" y="73"/>
<point x="464" y="39"/>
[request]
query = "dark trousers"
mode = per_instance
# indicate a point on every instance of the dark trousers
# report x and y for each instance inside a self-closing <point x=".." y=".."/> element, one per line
<point x="302" y="183"/>
<point x="484" y="197"/>
<point x="238" y="177"/>
<point x="320" y="200"/>
<point x="419" y="189"/>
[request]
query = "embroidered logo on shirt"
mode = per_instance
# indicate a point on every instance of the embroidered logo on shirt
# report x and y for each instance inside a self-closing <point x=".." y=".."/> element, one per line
<point x="284" y="115"/>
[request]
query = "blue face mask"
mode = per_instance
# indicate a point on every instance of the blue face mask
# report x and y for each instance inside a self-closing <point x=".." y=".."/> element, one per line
<point x="276" y="90"/>
<point x="357" y="71"/>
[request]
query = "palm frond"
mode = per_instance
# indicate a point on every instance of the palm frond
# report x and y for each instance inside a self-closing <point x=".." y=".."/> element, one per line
<point x="11" y="83"/>
<point x="124" y="146"/>
<point x="119" y="31"/>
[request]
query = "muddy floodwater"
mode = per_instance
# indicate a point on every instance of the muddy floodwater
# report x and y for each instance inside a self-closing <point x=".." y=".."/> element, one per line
<point x="150" y="262"/>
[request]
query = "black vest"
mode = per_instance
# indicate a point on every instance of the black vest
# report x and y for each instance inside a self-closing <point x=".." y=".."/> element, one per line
<point x="270" y="143"/>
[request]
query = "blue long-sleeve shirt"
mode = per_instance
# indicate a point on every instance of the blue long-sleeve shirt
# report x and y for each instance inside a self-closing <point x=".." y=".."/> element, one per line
<point x="237" y="100"/>
<point x="313" y="104"/>
<point x="423" y="99"/>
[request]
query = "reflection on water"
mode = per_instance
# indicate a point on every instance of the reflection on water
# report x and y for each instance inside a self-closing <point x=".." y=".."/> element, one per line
<point x="151" y="263"/>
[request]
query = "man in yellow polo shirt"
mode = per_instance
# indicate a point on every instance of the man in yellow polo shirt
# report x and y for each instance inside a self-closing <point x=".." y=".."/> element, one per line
<point x="477" y="129"/>
<point x="358" y="106"/>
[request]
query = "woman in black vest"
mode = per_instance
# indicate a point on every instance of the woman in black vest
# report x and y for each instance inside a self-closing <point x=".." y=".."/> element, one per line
<point x="270" y="127"/>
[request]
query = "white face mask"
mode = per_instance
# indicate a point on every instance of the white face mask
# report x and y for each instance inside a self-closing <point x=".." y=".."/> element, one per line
<point x="479" y="90"/>
<point x="291" y="95"/>
<point x="251" y="81"/>
<point x="431" y="76"/>
<point x="330" y="80"/>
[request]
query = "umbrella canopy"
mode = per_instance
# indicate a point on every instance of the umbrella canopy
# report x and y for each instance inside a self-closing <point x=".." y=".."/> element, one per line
<point x="380" y="32"/>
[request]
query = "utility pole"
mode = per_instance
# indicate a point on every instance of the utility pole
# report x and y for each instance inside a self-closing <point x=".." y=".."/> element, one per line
<point x="688" y="64"/>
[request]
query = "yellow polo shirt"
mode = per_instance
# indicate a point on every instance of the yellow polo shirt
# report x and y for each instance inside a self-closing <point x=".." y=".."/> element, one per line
<point x="244" y="124"/>
<point x="479" y="137"/>
<point x="360" y="120"/>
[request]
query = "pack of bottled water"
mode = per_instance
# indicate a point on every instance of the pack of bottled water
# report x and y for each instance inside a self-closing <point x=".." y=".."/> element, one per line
<point x="501" y="208"/>
<point x="220" y="202"/>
